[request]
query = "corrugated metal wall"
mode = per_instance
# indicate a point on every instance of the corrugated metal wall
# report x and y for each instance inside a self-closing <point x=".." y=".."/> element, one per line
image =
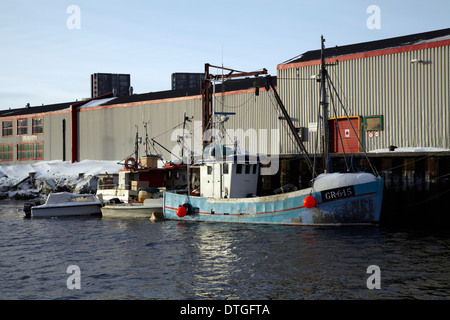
<point x="413" y="98"/>
<point x="109" y="133"/>
<point x="256" y="116"/>
<point x="53" y="136"/>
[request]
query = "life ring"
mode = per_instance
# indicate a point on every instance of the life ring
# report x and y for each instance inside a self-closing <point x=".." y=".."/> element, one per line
<point x="195" y="192"/>
<point x="130" y="163"/>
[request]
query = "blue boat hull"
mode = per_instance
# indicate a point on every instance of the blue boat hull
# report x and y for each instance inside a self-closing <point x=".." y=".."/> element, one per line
<point x="358" y="204"/>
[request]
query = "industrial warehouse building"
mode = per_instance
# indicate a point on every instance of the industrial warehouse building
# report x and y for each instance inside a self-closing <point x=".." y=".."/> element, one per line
<point x="395" y="91"/>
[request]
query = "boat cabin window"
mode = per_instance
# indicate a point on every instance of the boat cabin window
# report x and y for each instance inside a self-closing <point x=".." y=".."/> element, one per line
<point x="247" y="168"/>
<point x="239" y="168"/>
<point x="80" y="199"/>
<point x="225" y="168"/>
<point x="255" y="166"/>
<point x="209" y="168"/>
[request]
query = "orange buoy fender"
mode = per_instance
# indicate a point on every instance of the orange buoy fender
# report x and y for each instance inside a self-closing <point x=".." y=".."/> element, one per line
<point x="184" y="210"/>
<point x="309" y="202"/>
<point x="181" y="211"/>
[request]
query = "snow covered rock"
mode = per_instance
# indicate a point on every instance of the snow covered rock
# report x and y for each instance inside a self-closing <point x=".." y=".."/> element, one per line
<point x="16" y="182"/>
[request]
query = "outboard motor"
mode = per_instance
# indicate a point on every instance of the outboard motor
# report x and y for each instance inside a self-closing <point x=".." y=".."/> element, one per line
<point x="114" y="201"/>
<point x="27" y="208"/>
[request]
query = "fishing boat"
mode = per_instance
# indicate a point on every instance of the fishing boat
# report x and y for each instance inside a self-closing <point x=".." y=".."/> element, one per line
<point x="63" y="204"/>
<point x="228" y="186"/>
<point x="333" y="199"/>
<point x="150" y="209"/>
<point x="141" y="173"/>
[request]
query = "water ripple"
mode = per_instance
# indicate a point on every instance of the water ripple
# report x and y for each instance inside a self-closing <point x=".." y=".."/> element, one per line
<point x="139" y="259"/>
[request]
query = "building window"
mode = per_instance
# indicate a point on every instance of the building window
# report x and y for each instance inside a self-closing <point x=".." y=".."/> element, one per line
<point x="30" y="151"/>
<point x="7" y="128"/>
<point x="6" y="152"/>
<point x="22" y="127"/>
<point x="38" y="126"/>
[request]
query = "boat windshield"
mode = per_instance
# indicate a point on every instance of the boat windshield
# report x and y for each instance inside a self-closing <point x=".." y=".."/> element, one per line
<point x="81" y="199"/>
<point x="62" y="197"/>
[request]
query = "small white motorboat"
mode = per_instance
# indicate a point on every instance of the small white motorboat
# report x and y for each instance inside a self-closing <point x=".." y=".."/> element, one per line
<point x="64" y="204"/>
<point x="150" y="208"/>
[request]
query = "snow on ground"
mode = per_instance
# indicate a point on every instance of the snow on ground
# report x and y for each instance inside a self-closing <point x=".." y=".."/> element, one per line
<point x="51" y="176"/>
<point x="411" y="149"/>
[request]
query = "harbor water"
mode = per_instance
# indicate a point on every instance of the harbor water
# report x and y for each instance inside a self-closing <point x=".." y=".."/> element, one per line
<point x="102" y="259"/>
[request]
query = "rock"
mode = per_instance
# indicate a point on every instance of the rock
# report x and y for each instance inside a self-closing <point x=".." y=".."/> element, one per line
<point x="21" y="195"/>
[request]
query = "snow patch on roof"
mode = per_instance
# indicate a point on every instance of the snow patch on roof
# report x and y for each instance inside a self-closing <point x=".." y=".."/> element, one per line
<point x="97" y="102"/>
<point x="443" y="38"/>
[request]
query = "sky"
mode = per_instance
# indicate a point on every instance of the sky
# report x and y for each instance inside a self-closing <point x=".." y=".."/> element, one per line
<point x="49" y="48"/>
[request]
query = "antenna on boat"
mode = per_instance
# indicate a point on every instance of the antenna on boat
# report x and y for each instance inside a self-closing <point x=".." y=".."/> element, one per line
<point x="146" y="139"/>
<point x="324" y="102"/>
<point x="136" y="148"/>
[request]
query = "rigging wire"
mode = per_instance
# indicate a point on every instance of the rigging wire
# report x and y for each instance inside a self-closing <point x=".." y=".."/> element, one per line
<point x="413" y="161"/>
<point x="338" y="130"/>
<point x="179" y="125"/>
<point x="437" y="196"/>
<point x="348" y="118"/>
<point x="295" y="78"/>
<point x="304" y="154"/>
<point x="191" y="130"/>
<point x="235" y="107"/>
<point x="316" y="147"/>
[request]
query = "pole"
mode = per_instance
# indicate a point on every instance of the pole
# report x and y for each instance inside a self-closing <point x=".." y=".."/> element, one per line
<point x="64" y="138"/>
<point x="326" y="133"/>
<point x="213" y="133"/>
<point x="136" y="148"/>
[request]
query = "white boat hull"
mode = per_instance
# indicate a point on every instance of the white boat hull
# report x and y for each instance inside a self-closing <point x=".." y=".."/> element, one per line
<point x="150" y="209"/>
<point x="64" y="204"/>
<point x="121" y="194"/>
<point x="66" y="210"/>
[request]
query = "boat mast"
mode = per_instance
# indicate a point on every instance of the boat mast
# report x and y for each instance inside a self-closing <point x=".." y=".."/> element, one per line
<point x="213" y="134"/>
<point x="136" y="148"/>
<point x="324" y="103"/>
<point x="207" y="94"/>
<point x="146" y="139"/>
